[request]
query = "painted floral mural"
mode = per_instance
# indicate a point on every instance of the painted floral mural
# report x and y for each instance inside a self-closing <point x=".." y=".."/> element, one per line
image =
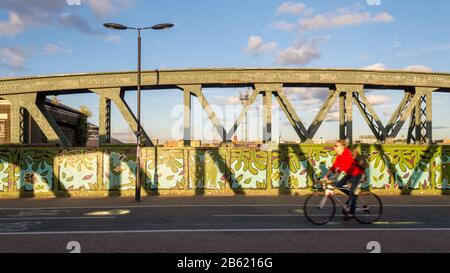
<point x="289" y="169"/>
<point x="78" y="170"/>
<point x="321" y="159"/>
<point x="391" y="167"/>
<point x="119" y="170"/>
<point x="248" y="169"/>
<point x="378" y="175"/>
<point x="207" y="169"/>
<point x="33" y="170"/>
<point x="411" y="168"/>
<point x="441" y="164"/>
<point x="166" y="170"/>
<point x="4" y="170"/>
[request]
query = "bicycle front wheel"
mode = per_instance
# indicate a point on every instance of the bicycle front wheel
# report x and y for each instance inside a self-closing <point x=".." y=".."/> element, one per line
<point x="319" y="209"/>
<point x="368" y="208"/>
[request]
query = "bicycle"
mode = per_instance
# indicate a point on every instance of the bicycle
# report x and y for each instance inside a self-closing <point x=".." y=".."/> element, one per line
<point x="320" y="206"/>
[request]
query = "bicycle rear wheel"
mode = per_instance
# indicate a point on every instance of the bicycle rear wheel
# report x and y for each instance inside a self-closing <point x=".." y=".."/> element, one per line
<point x="368" y="208"/>
<point x="319" y="209"/>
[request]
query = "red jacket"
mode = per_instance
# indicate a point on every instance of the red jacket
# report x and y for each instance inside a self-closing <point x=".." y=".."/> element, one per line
<point x="346" y="163"/>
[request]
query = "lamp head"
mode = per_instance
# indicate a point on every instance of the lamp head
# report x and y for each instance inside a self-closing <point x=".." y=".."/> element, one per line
<point x="115" y="26"/>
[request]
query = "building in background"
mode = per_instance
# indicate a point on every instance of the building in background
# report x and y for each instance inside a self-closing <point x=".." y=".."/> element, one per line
<point x="366" y="139"/>
<point x="180" y="143"/>
<point x="67" y="118"/>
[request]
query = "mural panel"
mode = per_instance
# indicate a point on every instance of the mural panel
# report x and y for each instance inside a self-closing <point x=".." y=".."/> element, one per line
<point x="5" y="166"/>
<point x="442" y="167"/>
<point x="78" y="170"/>
<point x="119" y="169"/>
<point x="207" y="169"/>
<point x="411" y="167"/>
<point x="321" y="158"/>
<point x="289" y="169"/>
<point x="165" y="170"/>
<point x="378" y="175"/>
<point x="248" y="169"/>
<point x="33" y="170"/>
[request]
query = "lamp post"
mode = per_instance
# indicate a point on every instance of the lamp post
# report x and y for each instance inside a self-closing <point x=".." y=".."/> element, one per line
<point x="138" y="134"/>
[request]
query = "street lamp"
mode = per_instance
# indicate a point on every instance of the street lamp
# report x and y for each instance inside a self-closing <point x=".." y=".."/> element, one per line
<point x="138" y="148"/>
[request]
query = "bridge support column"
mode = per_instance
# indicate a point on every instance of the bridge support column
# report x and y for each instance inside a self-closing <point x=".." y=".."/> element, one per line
<point x="19" y="125"/>
<point x="118" y="97"/>
<point x="346" y="111"/>
<point x="187" y="116"/>
<point x="267" y="90"/>
<point x="104" y="120"/>
<point x="34" y="105"/>
<point x="420" y="127"/>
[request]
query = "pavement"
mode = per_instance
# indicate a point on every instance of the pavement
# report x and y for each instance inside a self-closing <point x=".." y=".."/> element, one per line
<point x="202" y="224"/>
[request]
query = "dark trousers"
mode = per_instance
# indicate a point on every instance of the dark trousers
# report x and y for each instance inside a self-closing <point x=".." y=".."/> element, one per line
<point x="350" y="192"/>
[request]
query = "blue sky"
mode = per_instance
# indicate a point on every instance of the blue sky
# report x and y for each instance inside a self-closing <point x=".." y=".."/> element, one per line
<point x="66" y="36"/>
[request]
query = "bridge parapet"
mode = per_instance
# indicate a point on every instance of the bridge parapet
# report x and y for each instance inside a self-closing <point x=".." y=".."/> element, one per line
<point x="285" y="169"/>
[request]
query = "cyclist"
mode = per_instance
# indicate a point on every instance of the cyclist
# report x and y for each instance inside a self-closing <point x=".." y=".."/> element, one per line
<point x="345" y="162"/>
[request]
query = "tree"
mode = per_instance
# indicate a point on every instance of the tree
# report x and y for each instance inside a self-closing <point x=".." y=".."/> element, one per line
<point x="83" y="126"/>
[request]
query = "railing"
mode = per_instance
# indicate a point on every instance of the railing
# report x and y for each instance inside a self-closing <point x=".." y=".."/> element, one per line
<point x="26" y="171"/>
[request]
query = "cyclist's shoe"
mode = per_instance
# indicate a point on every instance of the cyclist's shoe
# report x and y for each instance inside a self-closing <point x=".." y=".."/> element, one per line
<point x="348" y="217"/>
<point x="345" y="209"/>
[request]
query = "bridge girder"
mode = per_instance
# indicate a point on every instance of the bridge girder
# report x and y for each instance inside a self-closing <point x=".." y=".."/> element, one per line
<point x="27" y="95"/>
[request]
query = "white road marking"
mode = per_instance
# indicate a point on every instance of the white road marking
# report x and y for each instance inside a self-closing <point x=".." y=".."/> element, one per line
<point x="256" y="215"/>
<point x="39" y="213"/>
<point x="222" y="230"/>
<point x="54" y="218"/>
<point x="203" y="205"/>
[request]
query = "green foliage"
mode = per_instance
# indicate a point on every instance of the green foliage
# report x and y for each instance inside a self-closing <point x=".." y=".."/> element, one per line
<point x="83" y="126"/>
<point x="86" y="111"/>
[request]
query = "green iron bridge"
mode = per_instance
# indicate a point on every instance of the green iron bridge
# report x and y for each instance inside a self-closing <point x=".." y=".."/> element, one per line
<point x="289" y="167"/>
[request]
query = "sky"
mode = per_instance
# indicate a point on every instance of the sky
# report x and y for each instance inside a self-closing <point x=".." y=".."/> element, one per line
<point x="48" y="37"/>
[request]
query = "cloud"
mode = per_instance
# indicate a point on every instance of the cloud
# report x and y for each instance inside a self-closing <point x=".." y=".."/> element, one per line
<point x="13" y="58"/>
<point x="282" y="25"/>
<point x="377" y="66"/>
<point x="343" y="17"/>
<point x="414" y="68"/>
<point x="332" y="116"/>
<point x="388" y="112"/>
<point x="57" y="48"/>
<point x="293" y="8"/>
<point x="256" y="46"/>
<point x="301" y="53"/>
<point x="105" y="8"/>
<point x="418" y="68"/>
<point x="440" y="127"/>
<point x="79" y="23"/>
<point x="378" y="99"/>
<point x="24" y="14"/>
<point x="234" y="100"/>
<point x="307" y="94"/>
<point x="308" y="99"/>
<point x="13" y="26"/>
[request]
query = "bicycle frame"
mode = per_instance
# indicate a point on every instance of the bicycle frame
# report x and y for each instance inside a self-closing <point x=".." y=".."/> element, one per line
<point x="329" y="192"/>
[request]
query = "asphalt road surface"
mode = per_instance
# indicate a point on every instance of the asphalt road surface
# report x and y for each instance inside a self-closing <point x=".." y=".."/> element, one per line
<point x="201" y="224"/>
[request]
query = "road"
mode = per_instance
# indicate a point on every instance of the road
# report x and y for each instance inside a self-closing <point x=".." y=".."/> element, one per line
<point x="216" y="224"/>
